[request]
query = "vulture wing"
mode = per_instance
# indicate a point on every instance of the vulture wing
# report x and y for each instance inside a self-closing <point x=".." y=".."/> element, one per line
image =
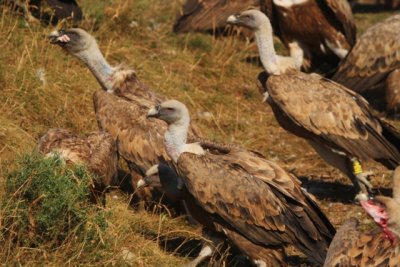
<point x="205" y="15"/>
<point x="344" y="17"/>
<point x="323" y="111"/>
<point x="96" y="150"/>
<point x="258" y="199"/>
<point x="374" y="56"/>
<point x="352" y="248"/>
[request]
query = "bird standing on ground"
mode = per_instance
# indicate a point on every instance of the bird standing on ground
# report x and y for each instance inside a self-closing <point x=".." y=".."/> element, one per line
<point x="97" y="151"/>
<point x="121" y="106"/>
<point x="380" y="247"/>
<point x="337" y="122"/>
<point x="257" y="205"/>
<point x="321" y="31"/>
<point x="372" y="68"/>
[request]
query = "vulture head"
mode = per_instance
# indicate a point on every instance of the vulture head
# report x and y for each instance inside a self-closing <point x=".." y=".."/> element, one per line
<point x="252" y="19"/>
<point x="161" y="174"/>
<point x="172" y="112"/>
<point x="73" y="40"/>
<point x="385" y="210"/>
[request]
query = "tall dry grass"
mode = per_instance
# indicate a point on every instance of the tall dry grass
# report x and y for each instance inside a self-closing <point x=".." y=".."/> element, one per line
<point x="41" y="87"/>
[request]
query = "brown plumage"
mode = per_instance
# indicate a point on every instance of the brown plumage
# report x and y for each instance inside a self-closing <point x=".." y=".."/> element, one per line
<point x="351" y="247"/>
<point x="372" y="60"/>
<point x="121" y="106"/>
<point x="380" y="247"/>
<point x="256" y="203"/>
<point x="97" y="151"/>
<point x="208" y="15"/>
<point x="324" y="30"/>
<point x="337" y="122"/>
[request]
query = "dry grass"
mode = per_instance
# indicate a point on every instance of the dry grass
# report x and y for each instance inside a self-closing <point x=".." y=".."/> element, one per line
<point x="41" y="88"/>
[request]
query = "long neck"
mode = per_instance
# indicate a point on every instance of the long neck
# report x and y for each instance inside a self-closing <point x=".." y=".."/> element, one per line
<point x="265" y="44"/>
<point x="175" y="137"/>
<point x="98" y="65"/>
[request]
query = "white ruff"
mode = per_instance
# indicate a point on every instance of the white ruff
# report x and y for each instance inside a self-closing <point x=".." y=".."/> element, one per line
<point x="175" y="139"/>
<point x="289" y="3"/>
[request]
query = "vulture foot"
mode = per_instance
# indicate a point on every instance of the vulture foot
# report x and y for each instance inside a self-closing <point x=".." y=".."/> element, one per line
<point x="205" y="253"/>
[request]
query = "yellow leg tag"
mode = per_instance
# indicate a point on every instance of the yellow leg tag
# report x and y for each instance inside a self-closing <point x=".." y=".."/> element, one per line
<point x="357" y="169"/>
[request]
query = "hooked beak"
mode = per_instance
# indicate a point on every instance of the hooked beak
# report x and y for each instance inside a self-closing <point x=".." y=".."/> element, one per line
<point x="153" y="112"/>
<point x="58" y="37"/>
<point x="141" y="183"/>
<point x="233" y="19"/>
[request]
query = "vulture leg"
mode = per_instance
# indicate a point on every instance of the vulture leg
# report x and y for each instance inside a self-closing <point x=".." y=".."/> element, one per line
<point x="206" y="252"/>
<point x="358" y="177"/>
<point x="208" y="248"/>
<point x="393" y="93"/>
<point x="350" y="167"/>
<point x="143" y="195"/>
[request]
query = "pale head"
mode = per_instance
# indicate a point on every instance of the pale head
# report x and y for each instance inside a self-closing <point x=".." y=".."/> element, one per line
<point x="385" y="210"/>
<point x="73" y="40"/>
<point x="170" y="111"/>
<point x="253" y="19"/>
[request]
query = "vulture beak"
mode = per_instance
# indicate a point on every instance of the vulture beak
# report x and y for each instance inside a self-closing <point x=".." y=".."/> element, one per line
<point x="233" y="19"/>
<point x="154" y="112"/>
<point x="150" y="179"/>
<point x="141" y="183"/>
<point x="59" y="37"/>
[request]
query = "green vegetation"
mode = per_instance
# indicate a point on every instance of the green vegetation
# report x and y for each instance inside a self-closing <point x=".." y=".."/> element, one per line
<point x="46" y="202"/>
<point x="45" y="216"/>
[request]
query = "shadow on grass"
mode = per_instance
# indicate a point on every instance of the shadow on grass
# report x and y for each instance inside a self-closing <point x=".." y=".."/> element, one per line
<point x="335" y="191"/>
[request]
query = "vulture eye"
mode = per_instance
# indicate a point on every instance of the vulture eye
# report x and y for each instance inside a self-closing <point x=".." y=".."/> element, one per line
<point x="170" y="109"/>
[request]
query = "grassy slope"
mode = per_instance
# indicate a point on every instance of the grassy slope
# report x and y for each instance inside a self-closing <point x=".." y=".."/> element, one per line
<point x="209" y="74"/>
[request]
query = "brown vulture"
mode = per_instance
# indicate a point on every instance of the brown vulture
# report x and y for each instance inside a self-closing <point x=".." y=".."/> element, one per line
<point x="49" y="11"/>
<point x="381" y="247"/>
<point x="372" y="66"/>
<point x="209" y="15"/>
<point x="121" y="106"/>
<point x="97" y="151"/>
<point x="256" y="204"/>
<point x="337" y="122"/>
<point x="323" y="31"/>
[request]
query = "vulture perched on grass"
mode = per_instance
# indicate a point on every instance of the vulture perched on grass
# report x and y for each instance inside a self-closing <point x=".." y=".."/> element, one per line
<point x="256" y="204"/>
<point x="337" y="122"/>
<point x="372" y="68"/>
<point x="381" y="247"/>
<point x="50" y="11"/>
<point x="97" y="151"/>
<point x="322" y="31"/>
<point x="209" y="15"/>
<point x="121" y="106"/>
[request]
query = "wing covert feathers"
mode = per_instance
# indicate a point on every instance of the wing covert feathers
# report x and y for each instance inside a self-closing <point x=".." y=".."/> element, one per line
<point x="323" y="111"/>
<point x="374" y="56"/>
<point x="351" y="248"/>
<point x="258" y="199"/>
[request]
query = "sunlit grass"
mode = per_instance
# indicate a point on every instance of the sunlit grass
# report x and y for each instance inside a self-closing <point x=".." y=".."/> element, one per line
<point x="41" y="87"/>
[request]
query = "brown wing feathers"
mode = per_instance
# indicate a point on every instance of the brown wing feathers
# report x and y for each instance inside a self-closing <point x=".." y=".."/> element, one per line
<point x="268" y="208"/>
<point x="346" y="124"/>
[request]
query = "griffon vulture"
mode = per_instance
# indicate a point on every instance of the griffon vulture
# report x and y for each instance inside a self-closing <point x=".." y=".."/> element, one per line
<point x="121" y="106"/>
<point x="337" y="122"/>
<point x="257" y="205"/>
<point x="209" y="15"/>
<point x="49" y="11"/>
<point x="372" y="66"/>
<point x="322" y="30"/>
<point x="97" y="151"/>
<point x="380" y="247"/>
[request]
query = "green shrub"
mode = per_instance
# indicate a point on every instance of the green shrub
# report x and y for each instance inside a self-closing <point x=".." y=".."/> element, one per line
<point x="47" y="203"/>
